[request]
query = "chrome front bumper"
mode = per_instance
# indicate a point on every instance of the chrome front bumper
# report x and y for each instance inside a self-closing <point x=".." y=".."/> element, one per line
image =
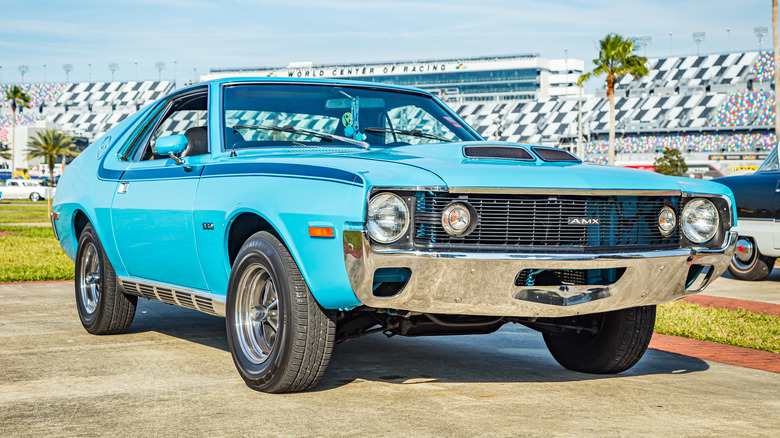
<point x="484" y="283"/>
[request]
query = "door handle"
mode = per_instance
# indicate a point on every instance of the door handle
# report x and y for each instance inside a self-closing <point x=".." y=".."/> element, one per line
<point x="122" y="189"/>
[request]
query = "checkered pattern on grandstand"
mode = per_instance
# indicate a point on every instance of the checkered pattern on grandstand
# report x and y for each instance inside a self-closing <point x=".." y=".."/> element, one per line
<point x="85" y="109"/>
<point x="679" y="93"/>
<point x="91" y="108"/>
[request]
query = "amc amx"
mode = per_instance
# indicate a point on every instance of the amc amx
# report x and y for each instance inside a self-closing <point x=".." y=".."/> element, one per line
<point x="312" y="212"/>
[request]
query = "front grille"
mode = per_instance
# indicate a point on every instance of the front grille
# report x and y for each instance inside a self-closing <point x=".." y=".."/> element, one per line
<point x="543" y="222"/>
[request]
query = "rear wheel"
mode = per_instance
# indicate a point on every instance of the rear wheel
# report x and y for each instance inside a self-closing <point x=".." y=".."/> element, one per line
<point x="621" y="338"/>
<point x="35" y="196"/>
<point x="748" y="263"/>
<point x="102" y="307"/>
<point x="280" y="338"/>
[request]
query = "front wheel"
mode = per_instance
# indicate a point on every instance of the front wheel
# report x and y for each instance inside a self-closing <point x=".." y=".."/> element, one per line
<point x="35" y="196"/>
<point x="280" y="338"/>
<point x="748" y="263"/>
<point x="614" y="342"/>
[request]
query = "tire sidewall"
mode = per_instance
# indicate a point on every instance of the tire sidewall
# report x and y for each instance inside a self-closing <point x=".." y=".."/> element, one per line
<point x="35" y="197"/>
<point x="260" y="251"/>
<point x="760" y="267"/>
<point x="90" y="321"/>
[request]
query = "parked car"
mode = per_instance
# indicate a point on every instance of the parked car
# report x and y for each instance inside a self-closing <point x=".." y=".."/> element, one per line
<point x="758" y="211"/>
<point x="32" y="189"/>
<point x="312" y="212"/>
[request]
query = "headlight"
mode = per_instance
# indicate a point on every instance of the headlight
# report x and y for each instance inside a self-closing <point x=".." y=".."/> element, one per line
<point x="388" y="218"/>
<point x="699" y="220"/>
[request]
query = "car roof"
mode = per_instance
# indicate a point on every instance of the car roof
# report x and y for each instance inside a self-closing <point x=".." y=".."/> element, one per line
<point x="316" y="81"/>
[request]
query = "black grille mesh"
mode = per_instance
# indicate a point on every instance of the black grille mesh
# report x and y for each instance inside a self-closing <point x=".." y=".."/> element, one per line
<point x="626" y="222"/>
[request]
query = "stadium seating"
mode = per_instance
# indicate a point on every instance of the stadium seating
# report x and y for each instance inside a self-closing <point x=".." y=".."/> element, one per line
<point x="86" y="109"/>
<point x="680" y="94"/>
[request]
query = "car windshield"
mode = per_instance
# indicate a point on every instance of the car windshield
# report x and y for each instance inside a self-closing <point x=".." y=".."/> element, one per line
<point x="770" y="164"/>
<point x="279" y="115"/>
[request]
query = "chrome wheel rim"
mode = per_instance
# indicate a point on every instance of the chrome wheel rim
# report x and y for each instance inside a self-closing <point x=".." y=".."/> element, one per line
<point x="745" y="254"/>
<point x="35" y="197"/>
<point x="89" y="283"/>
<point x="257" y="314"/>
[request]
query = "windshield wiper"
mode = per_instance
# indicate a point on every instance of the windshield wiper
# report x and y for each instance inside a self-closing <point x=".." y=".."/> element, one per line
<point x="293" y="130"/>
<point x="413" y="132"/>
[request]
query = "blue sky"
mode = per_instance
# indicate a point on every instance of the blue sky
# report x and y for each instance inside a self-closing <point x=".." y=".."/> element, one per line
<point x="199" y="34"/>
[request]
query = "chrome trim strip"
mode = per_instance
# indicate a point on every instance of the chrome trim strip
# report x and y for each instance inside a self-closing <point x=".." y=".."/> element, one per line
<point x="554" y="191"/>
<point x="217" y="301"/>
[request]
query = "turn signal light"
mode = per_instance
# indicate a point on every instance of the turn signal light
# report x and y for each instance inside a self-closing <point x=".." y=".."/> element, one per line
<point x="321" y="232"/>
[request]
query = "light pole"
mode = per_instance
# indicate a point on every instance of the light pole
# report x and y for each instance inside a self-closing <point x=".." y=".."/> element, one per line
<point x="160" y="66"/>
<point x="760" y="32"/>
<point x="194" y="74"/>
<point x="136" y="70"/>
<point x="643" y="42"/>
<point x="175" y="74"/>
<point x="23" y="69"/>
<point x="89" y="74"/>
<point x="68" y="68"/>
<point x="113" y="67"/>
<point x="728" y="39"/>
<point x="44" y="72"/>
<point x="1" y="74"/>
<point x="698" y="37"/>
<point x="670" y="45"/>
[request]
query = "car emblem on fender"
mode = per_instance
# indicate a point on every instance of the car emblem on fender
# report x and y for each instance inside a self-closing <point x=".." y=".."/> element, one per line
<point x="584" y="221"/>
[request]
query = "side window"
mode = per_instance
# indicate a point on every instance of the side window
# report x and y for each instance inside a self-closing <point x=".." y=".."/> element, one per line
<point x="411" y="118"/>
<point x="186" y="115"/>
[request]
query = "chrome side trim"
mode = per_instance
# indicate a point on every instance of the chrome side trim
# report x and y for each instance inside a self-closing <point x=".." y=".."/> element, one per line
<point x="199" y="300"/>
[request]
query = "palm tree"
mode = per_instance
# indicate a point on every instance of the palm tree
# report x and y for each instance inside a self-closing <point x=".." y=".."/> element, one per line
<point x="18" y="99"/>
<point x="50" y="144"/>
<point x="615" y="60"/>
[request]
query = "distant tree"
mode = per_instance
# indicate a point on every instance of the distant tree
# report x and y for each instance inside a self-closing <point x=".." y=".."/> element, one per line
<point x="50" y="144"/>
<point x="615" y="60"/>
<point x="4" y="154"/>
<point x="671" y="163"/>
<point x="19" y="99"/>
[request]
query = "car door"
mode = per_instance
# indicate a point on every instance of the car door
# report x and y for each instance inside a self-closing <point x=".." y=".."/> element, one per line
<point x="152" y="209"/>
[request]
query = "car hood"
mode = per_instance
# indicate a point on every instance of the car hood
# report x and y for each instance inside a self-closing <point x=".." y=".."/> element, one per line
<point x="444" y="164"/>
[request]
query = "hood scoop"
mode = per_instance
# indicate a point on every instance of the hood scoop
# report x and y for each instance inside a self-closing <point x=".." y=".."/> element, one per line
<point x="500" y="152"/>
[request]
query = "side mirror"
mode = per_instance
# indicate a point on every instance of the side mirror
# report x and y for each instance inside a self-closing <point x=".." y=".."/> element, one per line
<point x="171" y="145"/>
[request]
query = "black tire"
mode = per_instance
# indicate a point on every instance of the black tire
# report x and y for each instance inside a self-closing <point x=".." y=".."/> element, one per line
<point x="621" y="340"/>
<point x="748" y="263"/>
<point x="266" y="289"/>
<point x="35" y="197"/>
<point x="102" y="307"/>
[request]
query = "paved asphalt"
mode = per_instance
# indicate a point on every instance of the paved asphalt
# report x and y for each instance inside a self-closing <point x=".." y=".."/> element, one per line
<point x="172" y="375"/>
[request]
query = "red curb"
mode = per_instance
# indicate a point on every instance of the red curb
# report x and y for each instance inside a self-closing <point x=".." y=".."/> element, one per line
<point x="727" y="354"/>
<point x="732" y="304"/>
<point x="5" y="233"/>
<point x="37" y="282"/>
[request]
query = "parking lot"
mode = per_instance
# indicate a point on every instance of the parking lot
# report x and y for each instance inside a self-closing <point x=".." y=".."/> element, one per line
<point x="172" y="374"/>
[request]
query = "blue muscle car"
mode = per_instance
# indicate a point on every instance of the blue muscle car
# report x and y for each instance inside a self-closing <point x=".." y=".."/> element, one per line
<point x="312" y="212"/>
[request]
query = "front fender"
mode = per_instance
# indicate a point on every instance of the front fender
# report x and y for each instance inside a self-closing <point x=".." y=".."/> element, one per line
<point x="290" y="205"/>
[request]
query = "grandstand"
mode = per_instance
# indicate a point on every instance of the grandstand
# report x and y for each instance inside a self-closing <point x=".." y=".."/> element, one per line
<point x="714" y="107"/>
<point x="702" y="105"/>
<point x="86" y="109"/>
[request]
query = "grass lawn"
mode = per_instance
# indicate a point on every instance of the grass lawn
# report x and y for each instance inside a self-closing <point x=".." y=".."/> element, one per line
<point x="32" y="254"/>
<point x="23" y="211"/>
<point x="731" y="327"/>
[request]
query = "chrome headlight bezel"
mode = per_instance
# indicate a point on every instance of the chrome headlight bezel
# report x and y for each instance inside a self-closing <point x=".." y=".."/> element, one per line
<point x="378" y="232"/>
<point x="699" y="220"/>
